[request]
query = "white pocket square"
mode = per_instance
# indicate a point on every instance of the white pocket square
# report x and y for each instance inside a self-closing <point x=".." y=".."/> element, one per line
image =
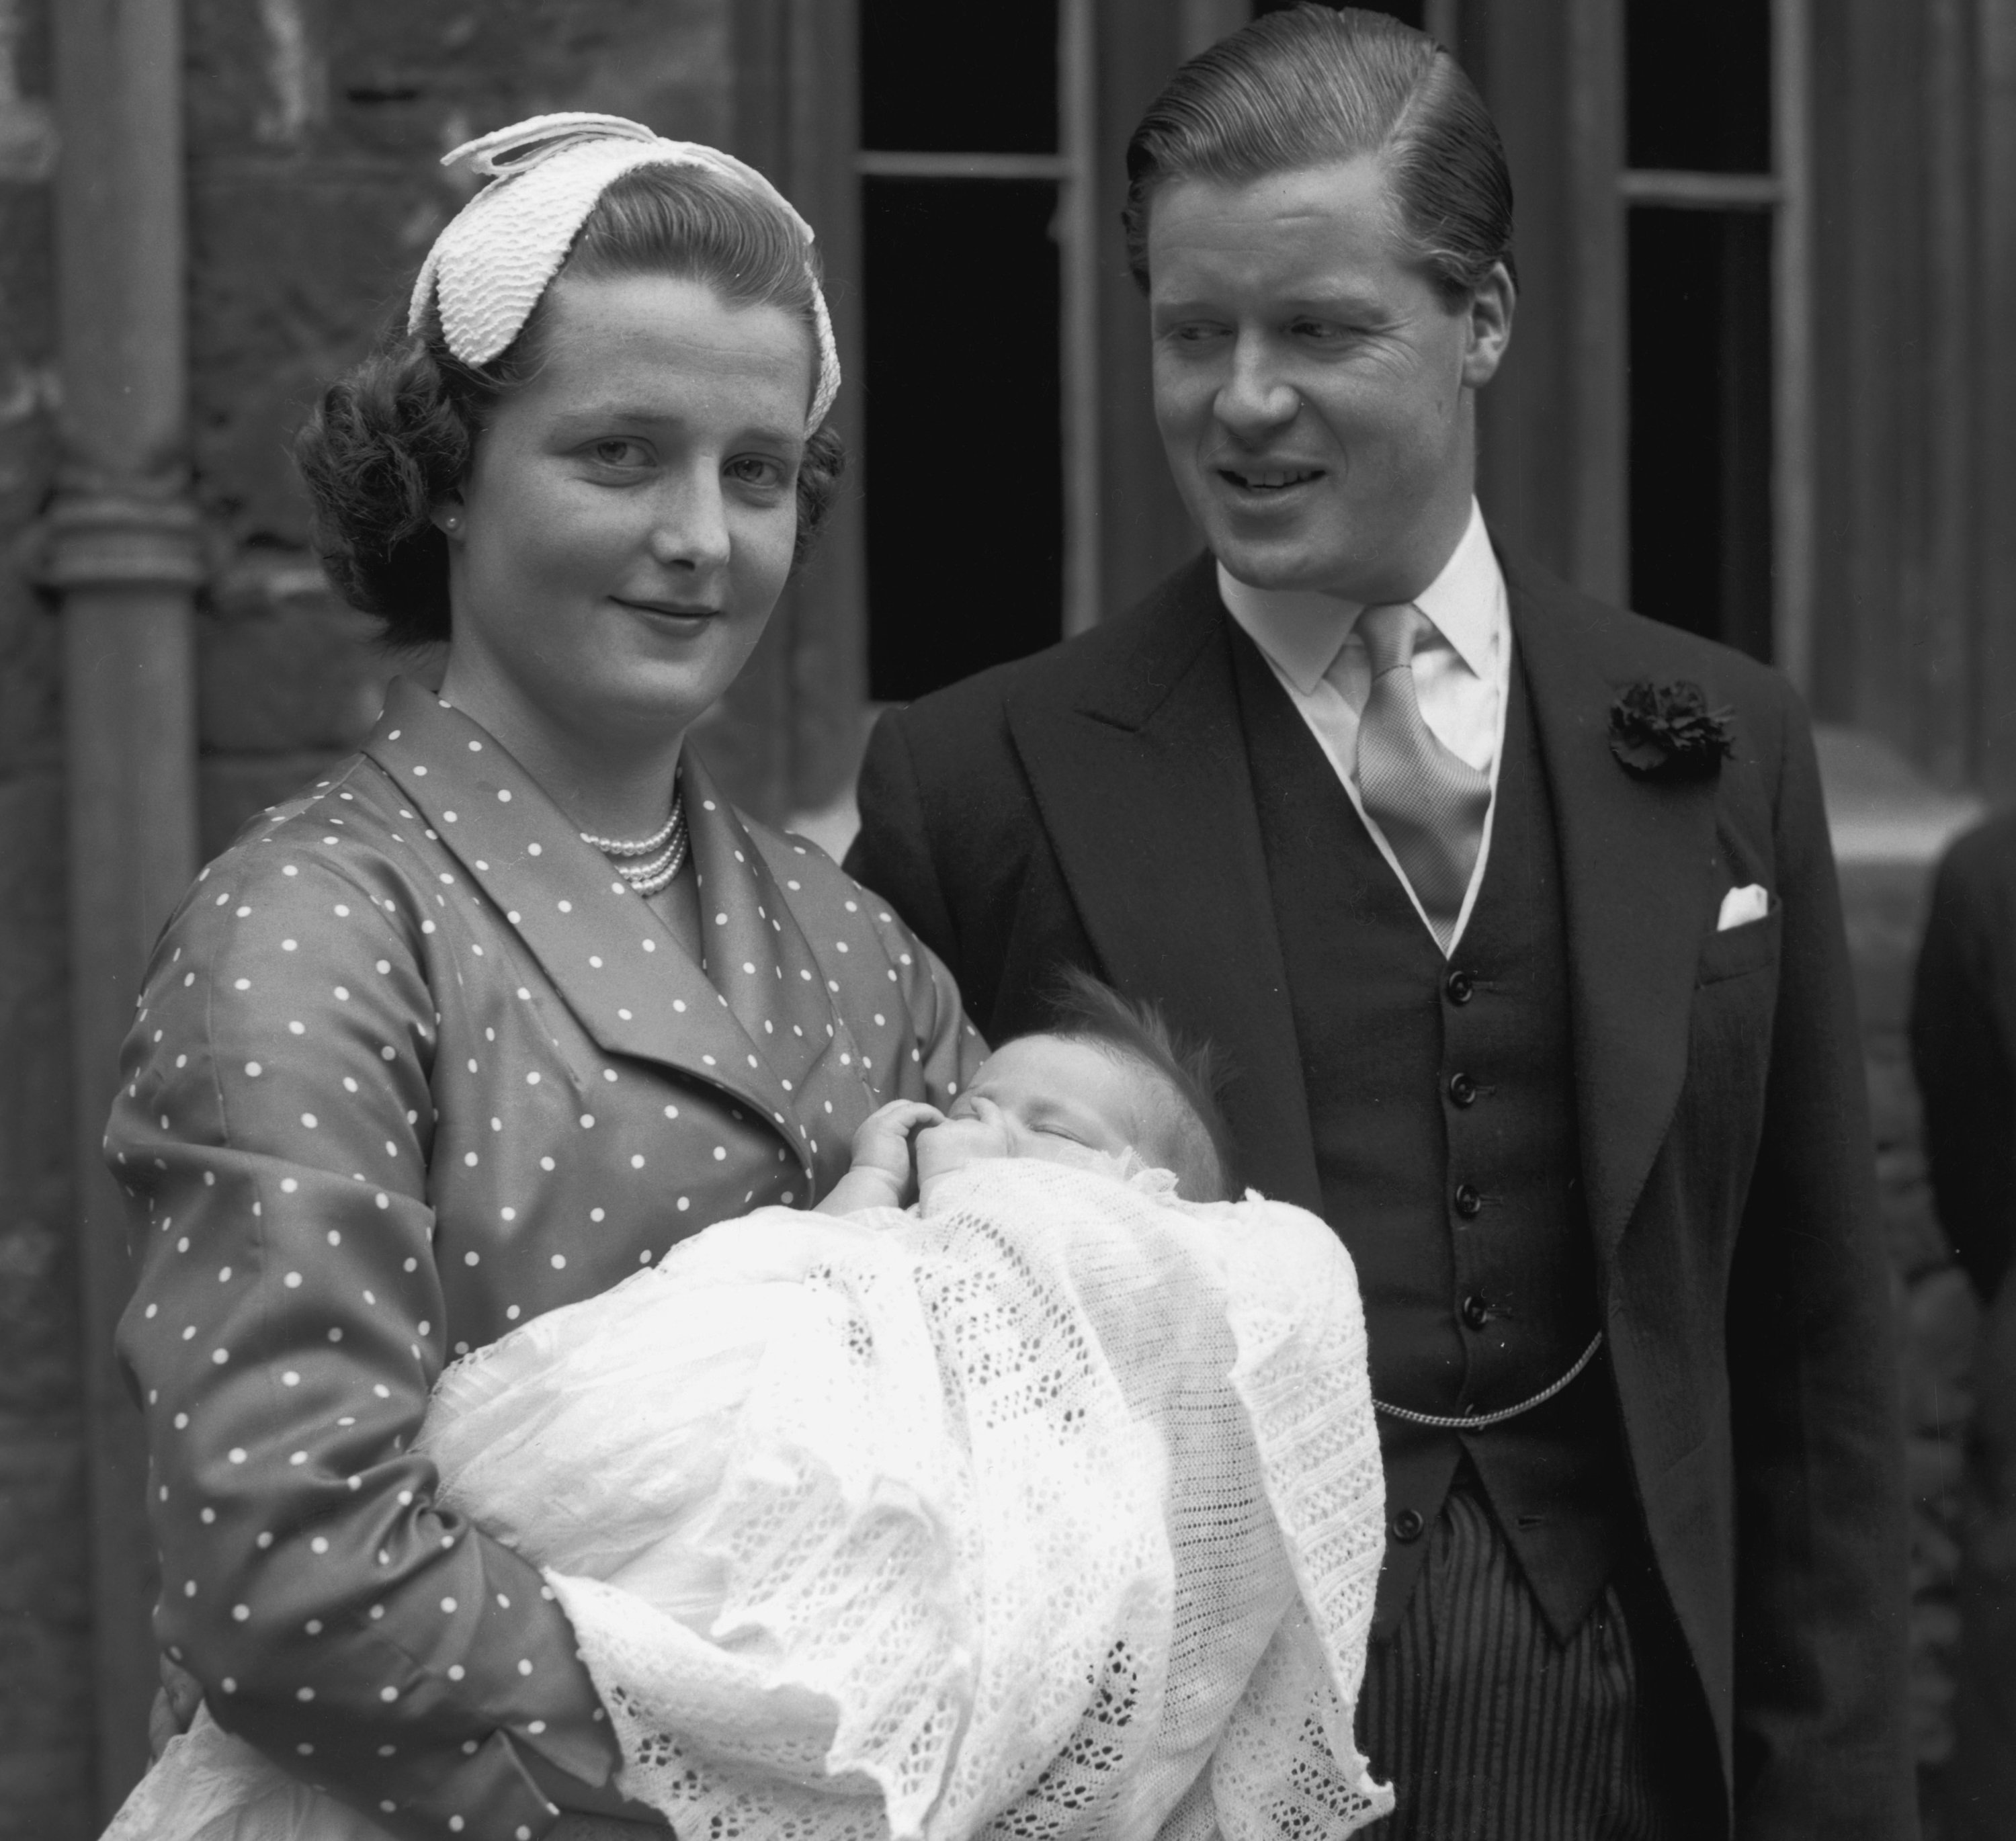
<point x="1740" y="907"/>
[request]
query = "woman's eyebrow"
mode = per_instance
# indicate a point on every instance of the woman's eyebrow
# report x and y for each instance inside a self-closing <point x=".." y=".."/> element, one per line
<point x="617" y="413"/>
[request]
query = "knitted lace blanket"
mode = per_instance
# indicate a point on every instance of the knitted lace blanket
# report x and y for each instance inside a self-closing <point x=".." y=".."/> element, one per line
<point x="1054" y="1509"/>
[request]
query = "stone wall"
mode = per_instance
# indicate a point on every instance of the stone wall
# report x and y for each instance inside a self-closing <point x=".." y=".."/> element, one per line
<point x="314" y="128"/>
<point x="45" y="1627"/>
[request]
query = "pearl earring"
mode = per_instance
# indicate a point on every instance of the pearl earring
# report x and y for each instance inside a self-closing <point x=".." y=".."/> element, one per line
<point x="452" y="521"/>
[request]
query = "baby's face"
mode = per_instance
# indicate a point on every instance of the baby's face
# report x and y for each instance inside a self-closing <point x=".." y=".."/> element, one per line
<point x="1042" y="1097"/>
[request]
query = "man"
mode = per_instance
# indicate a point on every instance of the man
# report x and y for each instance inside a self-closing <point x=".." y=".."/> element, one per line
<point x="1964" y="1052"/>
<point x="1515" y="918"/>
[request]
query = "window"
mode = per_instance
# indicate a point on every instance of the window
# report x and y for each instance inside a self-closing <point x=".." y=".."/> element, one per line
<point x="1713" y="186"/>
<point x="981" y="392"/>
<point x="1408" y="12"/>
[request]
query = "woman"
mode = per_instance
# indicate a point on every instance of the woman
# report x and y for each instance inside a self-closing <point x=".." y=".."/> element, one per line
<point x="512" y="1000"/>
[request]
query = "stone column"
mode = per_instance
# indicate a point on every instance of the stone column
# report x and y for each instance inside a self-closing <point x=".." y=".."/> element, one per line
<point x="123" y="557"/>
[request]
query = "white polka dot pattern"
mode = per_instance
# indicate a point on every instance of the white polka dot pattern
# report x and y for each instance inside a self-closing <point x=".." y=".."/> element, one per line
<point x="469" y="1126"/>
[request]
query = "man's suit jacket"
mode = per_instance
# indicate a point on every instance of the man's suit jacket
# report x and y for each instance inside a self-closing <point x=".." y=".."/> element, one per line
<point x="1093" y="806"/>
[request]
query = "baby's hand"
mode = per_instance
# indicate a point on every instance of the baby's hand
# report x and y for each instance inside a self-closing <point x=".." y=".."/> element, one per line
<point x="882" y="1177"/>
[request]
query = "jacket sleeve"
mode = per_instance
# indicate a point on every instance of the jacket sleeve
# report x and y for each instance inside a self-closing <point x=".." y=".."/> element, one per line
<point x="1964" y="1049"/>
<point x="272" y="1134"/>
<point x="1819" y="1729"/>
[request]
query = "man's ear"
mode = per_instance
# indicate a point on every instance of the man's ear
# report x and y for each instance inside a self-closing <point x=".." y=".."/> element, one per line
<point x="1490" y="315"/>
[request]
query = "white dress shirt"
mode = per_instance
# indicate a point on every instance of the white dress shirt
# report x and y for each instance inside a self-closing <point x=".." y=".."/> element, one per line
<point x="1463" y="671"/>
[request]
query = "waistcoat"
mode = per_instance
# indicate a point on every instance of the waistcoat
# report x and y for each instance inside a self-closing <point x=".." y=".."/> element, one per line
<point x="1441" y="1108"/>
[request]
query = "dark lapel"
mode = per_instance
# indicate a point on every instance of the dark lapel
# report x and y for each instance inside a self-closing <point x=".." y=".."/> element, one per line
<point x="616" y="965"/>
<point x="1140" y="772"/>
<point x="1640" y="882"/>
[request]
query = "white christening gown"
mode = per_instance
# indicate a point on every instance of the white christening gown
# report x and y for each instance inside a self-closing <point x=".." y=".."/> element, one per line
<point x="1053" y="1509"/>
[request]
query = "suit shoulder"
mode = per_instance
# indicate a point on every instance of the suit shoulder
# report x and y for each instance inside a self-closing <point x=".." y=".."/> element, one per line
<point x="1734" y="672"/>
<point x="1061" y="673"/>
<point x="1628" y="646"/>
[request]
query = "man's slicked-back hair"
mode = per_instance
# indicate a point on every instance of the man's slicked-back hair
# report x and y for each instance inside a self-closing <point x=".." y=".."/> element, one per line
<point x="1080" y="1008"/>
<point x="1312" y="86"/>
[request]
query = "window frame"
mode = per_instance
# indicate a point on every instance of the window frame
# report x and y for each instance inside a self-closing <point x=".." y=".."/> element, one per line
<point x="1072" y="169"/>
<point x="1786" y="194"/>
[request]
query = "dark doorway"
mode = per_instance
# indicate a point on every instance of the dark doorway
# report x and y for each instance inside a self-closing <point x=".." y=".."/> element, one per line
<point x="965" y="503"/>
<point x="1700" y="422"/>
<point x="1698" y="86"/>
<point x="1697" y="118"/>
<point x="940" y="79"/>
<point x="1408" y="12"/>
<point x="964" y="467"/>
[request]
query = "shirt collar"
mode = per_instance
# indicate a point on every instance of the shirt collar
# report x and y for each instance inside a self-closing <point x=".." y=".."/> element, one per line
<point x="1302" y="629"/>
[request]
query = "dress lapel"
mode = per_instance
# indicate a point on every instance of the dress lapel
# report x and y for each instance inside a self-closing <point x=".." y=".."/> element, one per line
<point x="755" y="954"/>
<point x="1144" y="788"/>
<point x="1638" y="871"/>
<point x="616" y="965"/>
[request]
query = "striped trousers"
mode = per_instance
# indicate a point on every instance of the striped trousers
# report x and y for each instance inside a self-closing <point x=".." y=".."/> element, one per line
<point x="1490" y="1728"/>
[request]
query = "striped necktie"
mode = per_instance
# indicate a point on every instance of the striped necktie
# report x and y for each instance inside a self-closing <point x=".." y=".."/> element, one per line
<point x="1429" y="805"/>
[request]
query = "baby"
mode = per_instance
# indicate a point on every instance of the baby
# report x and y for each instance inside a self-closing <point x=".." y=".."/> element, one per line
<point x="1105" y="1087"/>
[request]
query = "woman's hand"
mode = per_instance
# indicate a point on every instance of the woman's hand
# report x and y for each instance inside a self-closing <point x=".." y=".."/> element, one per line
<point x="883" y="1175"/>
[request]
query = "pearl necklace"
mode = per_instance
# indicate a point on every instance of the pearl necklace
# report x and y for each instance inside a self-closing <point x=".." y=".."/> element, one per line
<point x="648" y="878"/>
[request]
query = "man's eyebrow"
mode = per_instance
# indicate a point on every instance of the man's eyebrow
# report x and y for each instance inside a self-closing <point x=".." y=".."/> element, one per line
<point x="1350" y="301"/>
<point x="1345" y="303"/>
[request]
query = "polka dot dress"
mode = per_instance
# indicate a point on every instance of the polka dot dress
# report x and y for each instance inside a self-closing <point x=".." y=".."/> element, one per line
<point x="412" y="1065"/>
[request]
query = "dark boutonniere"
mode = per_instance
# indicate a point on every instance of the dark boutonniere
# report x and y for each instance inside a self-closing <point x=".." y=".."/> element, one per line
<point x="1667" y="731"/>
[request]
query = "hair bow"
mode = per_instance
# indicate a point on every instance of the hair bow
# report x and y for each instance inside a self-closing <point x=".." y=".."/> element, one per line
<point x="487" y="269"/>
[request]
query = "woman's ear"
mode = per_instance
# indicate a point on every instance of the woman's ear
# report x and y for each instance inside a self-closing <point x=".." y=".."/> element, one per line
<point x="448" y="518"/>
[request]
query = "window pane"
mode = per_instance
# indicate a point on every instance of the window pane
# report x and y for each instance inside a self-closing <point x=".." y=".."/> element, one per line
<point x="1698" y="86"/>
<point x="1407" y="12"/>
<point x="958" y="78"/>
<point x="1700" y="422"/>
<point x="964" y="504"/>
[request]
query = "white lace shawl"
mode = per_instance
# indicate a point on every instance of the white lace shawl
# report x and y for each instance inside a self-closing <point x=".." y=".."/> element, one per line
<point x="1055" y="1510"/>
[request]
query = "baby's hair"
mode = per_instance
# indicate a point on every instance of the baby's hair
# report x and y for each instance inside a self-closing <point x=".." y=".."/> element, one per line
<point x="1080" y="1008"/>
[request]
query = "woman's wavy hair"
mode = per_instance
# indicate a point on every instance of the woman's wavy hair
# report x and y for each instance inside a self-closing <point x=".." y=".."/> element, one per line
<point x="393" y="437"/>
<point x="1312" y="86"/>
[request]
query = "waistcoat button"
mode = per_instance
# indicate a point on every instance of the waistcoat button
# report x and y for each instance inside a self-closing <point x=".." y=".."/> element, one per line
<point x="1460" y="987"/>
<point x="1462" y="1089"/>
<point x="1406" y="1525"/>
<point x="1468" y="1202"/>
<point x="1476" y="1312"/>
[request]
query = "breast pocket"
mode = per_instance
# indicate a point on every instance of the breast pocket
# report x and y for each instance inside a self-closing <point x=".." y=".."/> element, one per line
<point x="1742" y="950"/>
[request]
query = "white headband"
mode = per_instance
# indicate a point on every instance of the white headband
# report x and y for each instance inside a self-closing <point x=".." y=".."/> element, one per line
<point x="489" y="267"/>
